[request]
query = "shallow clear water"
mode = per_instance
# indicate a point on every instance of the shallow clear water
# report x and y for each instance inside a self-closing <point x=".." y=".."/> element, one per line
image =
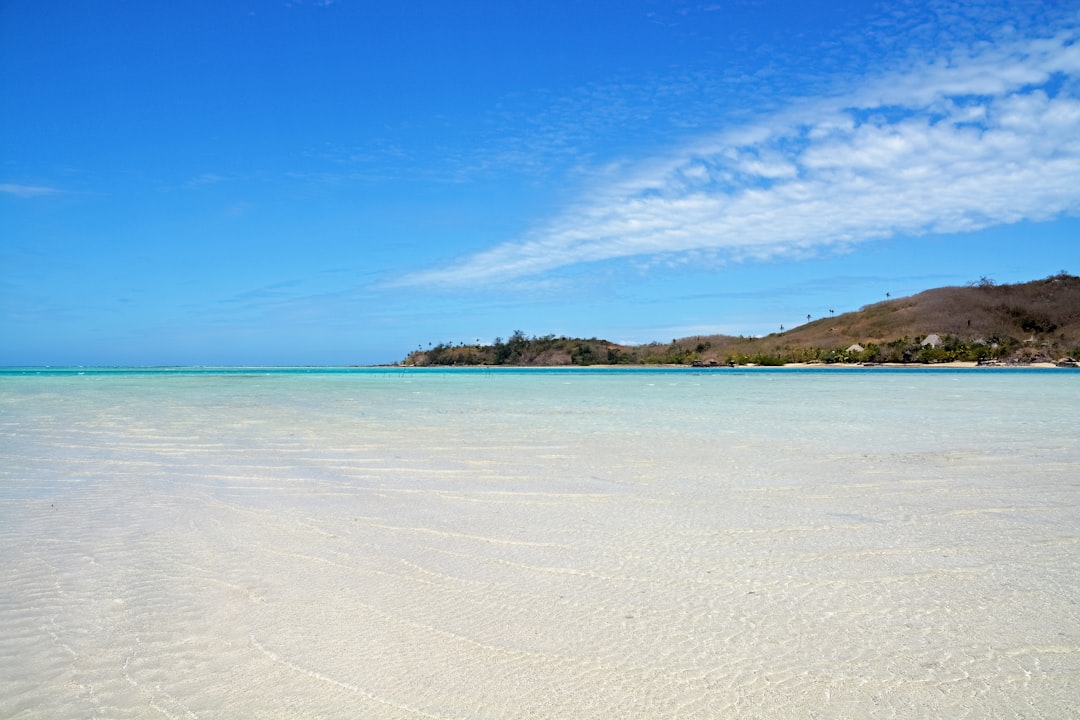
<point x="391" y="543"/>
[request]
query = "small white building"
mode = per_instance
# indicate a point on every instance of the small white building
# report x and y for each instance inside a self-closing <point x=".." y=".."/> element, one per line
<point x="931" y="341"/>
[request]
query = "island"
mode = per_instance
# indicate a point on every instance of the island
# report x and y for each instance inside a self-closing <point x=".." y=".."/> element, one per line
<point x="982" y="323"/>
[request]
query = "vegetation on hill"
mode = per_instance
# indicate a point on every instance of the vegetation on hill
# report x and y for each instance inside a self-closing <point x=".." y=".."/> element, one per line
<point x="1037" y="321"/>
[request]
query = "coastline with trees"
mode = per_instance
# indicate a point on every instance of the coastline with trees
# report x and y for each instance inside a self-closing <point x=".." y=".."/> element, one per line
<point x="983" y="322"/>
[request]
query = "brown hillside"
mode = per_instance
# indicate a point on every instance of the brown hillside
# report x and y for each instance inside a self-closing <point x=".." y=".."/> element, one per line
<point x="1025" y="322"/>
<point x="1033" y="320"/>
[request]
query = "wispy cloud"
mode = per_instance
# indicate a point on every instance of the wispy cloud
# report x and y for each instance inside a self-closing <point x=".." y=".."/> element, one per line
<point x="986" y="134"/>
<point x="26" y="191"/>
<point x="205" y="179"/>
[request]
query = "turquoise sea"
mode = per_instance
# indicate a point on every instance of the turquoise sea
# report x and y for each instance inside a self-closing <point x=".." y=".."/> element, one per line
<point x="499" y="543"/>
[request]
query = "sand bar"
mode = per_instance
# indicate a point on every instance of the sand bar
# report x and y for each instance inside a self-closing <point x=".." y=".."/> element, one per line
<point x="667" y="546"/>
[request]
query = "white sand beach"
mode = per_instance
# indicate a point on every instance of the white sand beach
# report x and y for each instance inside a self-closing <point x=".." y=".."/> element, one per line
<point x="519" y="546"/>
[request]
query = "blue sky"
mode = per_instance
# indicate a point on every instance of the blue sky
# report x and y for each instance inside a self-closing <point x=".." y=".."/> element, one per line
<point x="338" y="182"/>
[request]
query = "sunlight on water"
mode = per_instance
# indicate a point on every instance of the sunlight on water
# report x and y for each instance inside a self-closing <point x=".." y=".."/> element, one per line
<point x="397" y="544"/>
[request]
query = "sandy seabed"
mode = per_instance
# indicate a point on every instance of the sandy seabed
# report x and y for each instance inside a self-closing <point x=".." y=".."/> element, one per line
<point x="452" y="558"/>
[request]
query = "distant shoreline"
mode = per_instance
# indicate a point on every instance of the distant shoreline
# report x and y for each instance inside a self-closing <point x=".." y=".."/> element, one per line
<point x="75" y="370"/>
<point x="1033" y="324"/>
<point x="956" y="364"/>
<point x="914" y="367"/>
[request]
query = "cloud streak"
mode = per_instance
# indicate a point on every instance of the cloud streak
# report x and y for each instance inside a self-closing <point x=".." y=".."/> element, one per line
<point x="26" y="191"/>
<point x="982" y="136"/>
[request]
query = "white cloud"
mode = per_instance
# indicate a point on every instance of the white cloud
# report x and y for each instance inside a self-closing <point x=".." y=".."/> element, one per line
<point x="979" y="137"/>
<point x="26" y="191"/>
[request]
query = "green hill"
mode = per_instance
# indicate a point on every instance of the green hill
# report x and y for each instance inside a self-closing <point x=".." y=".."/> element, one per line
<point x="1037" y="321"/>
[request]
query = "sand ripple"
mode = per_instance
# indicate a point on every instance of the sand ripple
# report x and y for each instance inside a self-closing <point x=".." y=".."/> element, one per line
<point x="209" y="562"/>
